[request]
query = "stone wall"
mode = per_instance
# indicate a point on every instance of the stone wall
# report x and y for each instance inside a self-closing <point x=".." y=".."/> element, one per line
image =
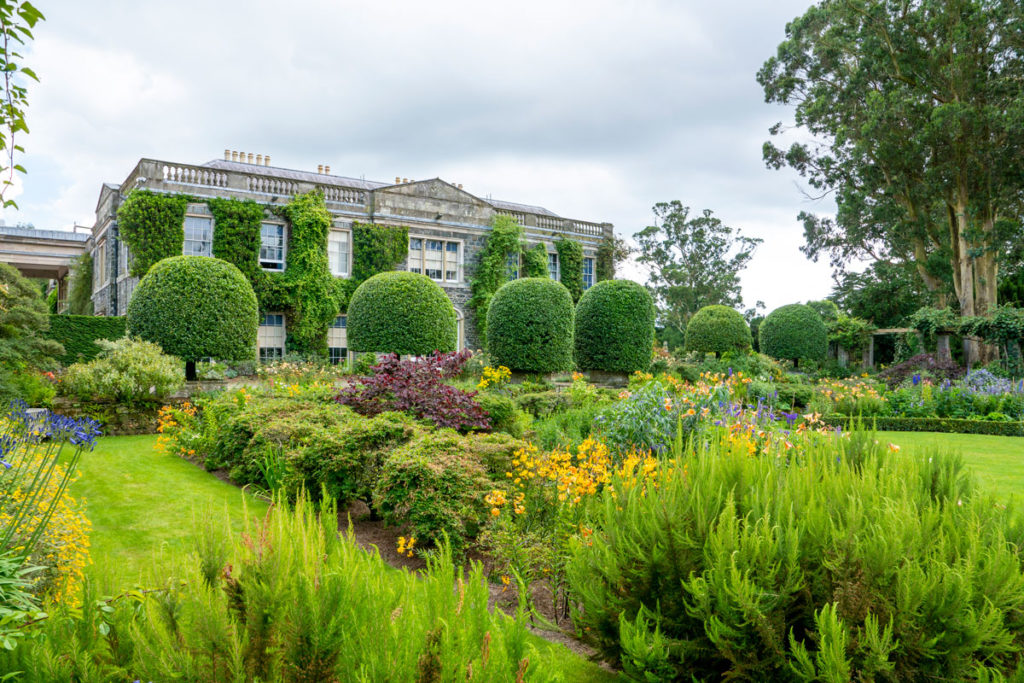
<point x="116" y="419"/>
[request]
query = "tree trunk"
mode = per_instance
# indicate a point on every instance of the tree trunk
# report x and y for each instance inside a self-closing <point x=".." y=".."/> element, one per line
<point x="190" y="371"/>
<point x="963" y="271"/>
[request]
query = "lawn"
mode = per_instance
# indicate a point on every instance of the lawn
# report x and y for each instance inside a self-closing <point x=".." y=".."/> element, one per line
<point x="997" y="460"/>
<point x="141" y="503"/>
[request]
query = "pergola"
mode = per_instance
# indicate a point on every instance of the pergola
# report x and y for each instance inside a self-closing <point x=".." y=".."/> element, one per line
<point x="42" y="253"/>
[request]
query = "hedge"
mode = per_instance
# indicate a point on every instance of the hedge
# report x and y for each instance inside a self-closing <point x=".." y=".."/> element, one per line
<point x="947" y="425"/>
<point x="530" y="326"/>
<point x="615" y="327"/>
<point x="794" y="332"/>
<point x="196" y="307"/>
<point x="401" y="312"/>
<point x="717" y="329"/>
<point x="78" y="334"/>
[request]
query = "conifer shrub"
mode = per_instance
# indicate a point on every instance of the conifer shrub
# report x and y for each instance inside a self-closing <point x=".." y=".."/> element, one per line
<point x="615" y="327"/>
<point x="845" y="563"/>
<point x="196" y="307"/>
<point x="403" y="313"/>
<point x="717" y="330"/>
<point x="530" y="326"/>
<point x="794" y="332"/>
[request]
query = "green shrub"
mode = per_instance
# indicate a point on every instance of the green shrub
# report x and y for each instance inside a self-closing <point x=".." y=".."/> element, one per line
<point x="544" y="403"/>
<point x="844" y="564"/>
<point x="781" y="395"/>
<point x="530" y="326"/>
<point x="80" y="289"/>
<point x="717" y="330"/>
<point x="78" y="334"/>
<point x="364" y="363"/>
<point x="436" y="486"/>
<point x="126" y="370"/>
<point x="794" y="332"/>
<point x="196" y="307"/>
<point x="503" y="413"/>
<point x="615" y="327"/>
<point x="947" y="425"/>
<point x="401" y="312"/>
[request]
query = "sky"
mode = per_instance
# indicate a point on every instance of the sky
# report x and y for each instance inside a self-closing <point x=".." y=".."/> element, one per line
<point x="594" y="110"/>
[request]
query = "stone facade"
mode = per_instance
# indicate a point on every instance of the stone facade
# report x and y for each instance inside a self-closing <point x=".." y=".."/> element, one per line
<point x="431" y="209"/>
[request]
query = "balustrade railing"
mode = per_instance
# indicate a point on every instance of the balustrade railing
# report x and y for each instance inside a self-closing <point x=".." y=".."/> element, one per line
<point x="195" y="175"/>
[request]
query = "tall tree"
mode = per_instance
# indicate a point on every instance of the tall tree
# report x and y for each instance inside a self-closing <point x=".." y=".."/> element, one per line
<point x="17" y="19"/>
<point x="885" y="294"/>
<point x="914" y="112"/>
<point x="693" y="262"/>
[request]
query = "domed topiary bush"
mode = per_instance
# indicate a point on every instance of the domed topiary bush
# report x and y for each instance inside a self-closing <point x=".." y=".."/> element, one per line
<point x="793" y="332"/>
<point x="615" y="327"/>
<point x="401" y="312"/>
<point x="717" y="329"/>
<point x="530" y="326"/>
<point x="196" y="307"/>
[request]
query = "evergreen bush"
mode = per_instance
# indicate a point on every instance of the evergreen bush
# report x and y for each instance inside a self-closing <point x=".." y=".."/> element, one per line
<point x="196" y="307"/>
<point x="78" y="334"/>
<point x="126" y="370"/>
<point x="401" y="312"/>
<point x="794" y="332"/>
<point x="615" y="327"/>
<point x="717" y="330"/>
<point x="530" y="326"/>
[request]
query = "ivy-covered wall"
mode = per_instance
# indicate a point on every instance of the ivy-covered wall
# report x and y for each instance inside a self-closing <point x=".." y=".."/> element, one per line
<point x="570" y="266"/>
<point x="153" y="227"/>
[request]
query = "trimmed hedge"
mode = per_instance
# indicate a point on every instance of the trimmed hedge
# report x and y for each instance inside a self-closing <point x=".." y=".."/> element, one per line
<point x="401" y="312"/>
<point x="793" y="332"/>
<point x="530" y="326"/>
<point x="946" y="425"/>
<point x="615" y="327"/>
<point x="196" y="307"/>
<point x="78" y="335"/>
<point x="717" y="329"/>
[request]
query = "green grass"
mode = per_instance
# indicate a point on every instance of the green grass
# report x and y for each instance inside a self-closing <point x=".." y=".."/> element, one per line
<point x="998" y="461"/>
<point x="141" y="503"/>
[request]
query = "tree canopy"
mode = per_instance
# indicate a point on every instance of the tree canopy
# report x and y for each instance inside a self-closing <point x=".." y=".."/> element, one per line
<point x="694" y="262"/>
<point x="912" y="116"/>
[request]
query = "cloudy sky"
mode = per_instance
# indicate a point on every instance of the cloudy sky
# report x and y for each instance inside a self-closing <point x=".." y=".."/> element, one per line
<point x="594" y="110"/>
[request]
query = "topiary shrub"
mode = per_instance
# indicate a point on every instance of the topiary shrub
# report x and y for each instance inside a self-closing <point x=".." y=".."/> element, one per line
<point x="530" y="326"/>
<point x="401" y="312"/>
<point x="615" y="327"/>
<point x="196" y="307"/>
<point x="717" y="329"/>
<point x="793" y="332"/>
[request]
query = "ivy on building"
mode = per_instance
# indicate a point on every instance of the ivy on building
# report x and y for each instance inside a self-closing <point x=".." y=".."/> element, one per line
<point x="236" y="231"/>
<point x="570" y="266"/>
<point x="377" y="248"/>
<point x="535" y="261"/>
<point x="612" y="251"/>
<point x="153" y="227"/>
<point x="492" y="269"/>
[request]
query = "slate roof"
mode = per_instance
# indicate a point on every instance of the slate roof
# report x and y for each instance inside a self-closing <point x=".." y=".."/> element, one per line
<point x="344" y="181"/>
<point x="45" y="234"/>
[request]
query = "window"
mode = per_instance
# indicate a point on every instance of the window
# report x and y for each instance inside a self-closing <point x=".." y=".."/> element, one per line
<point x="270" y="337"/>
<point x="440" y="260"/>
<point x="272" y="246"/>
<point x="588" y="273"/>
<point x="122" y="258"/>
<point x="100" y="265"/>
<point x="339" y="252"/>
<point x="553" y="265"/>
<point x="198" y="236"/>
<point x="512" y="266"/>
<point x="337" y="340"/>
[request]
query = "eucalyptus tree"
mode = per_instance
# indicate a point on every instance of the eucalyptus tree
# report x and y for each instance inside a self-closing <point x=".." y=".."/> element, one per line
<point x="911" y="112"/>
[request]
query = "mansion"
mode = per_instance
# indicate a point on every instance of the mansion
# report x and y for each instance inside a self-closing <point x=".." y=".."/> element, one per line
<point x="447" y="228"/>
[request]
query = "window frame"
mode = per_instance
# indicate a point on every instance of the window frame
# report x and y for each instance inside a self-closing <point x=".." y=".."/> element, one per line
<point x="348" y="266"/>
<point x="593" y="267"/>
<point x="445" y="241"/>
<point x="342" y="354"/>
<point x="100" y="265"/>
<point x="260" y="355"/>
<point x="186" y="240"/>
<point x="557" y="276"/>
<point x="284" y="248"/>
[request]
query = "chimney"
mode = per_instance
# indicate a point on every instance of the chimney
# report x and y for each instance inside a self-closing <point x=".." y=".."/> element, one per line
<point x="250" y="157"/>
<point x="259" y="159"/>
<point x="266" y="160"/>
<point x="327" y="170"/>
<point x="405" y="180"/>
<point x="227" y="155"/>
<point x="460" y="186"/>
<point x="234" y="155"/>
<point x="320" y="168"/>
<point x="397" y="180"/>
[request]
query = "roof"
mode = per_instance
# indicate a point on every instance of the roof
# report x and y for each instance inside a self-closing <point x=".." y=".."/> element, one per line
<point x="344" y="181"/>
<point x="45" y="234"/>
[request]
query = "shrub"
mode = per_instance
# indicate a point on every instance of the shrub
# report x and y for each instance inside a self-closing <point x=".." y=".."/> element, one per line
<point x="615" y="327"/>
<point x="794" y="332"/>
<point x="544" y="403"/>
<point x="924" y="363"/>
<point x="417" y="387"/>
<point x="435" y="485"/>
<point x="503" y="413"/>
<point x="126" y="370"/>
<point x="196" y="307"/>
<point x="947" y="425"/>
<point x="771" y="576"/>
<point x="530" y="326"/>
<point x="717" y="330"/>
<point x="403" y="313"/>
<point x="78" y="334"/>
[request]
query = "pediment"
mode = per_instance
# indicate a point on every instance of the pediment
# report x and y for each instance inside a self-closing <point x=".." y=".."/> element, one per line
<point x="435" y="189"/>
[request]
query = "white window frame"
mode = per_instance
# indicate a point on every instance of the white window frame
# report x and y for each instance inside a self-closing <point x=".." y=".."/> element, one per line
<point x="337" y="339"/>
<point x="513" y="274"/>
<point x="555" y="274"/>
<point x="100" y="265"/>
<point x="593" y="271"/>
<point x="284" y="248"/>
<point x="262" y="341"/>
<point x="347" y="270"/>
<point x="186" y="241"/>
<point x="421" y="265"/>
